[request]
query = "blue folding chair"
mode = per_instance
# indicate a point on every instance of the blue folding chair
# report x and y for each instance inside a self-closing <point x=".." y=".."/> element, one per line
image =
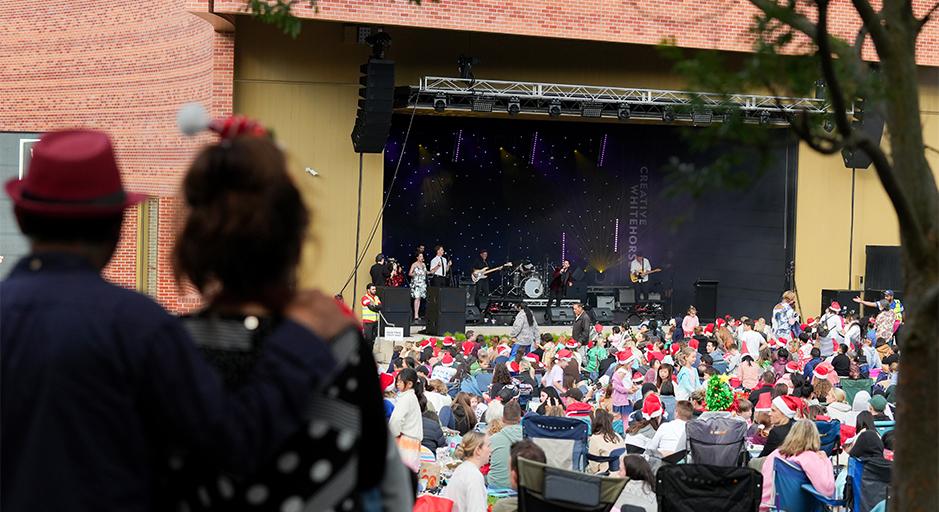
<point x="830" y="435"/>
<point x="794" y="492"/>
<point x="868" y="484"/>
<point x="884" y="426"/>
<point x="612" y="460"/>
<point x="445" y="415"/>
<point x="618" y="427"/>
<point x="564" y="440"/>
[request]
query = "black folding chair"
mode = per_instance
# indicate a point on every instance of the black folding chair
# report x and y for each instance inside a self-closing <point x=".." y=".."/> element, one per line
<point x="700" y="487"/>
<point x="542" y="488"/>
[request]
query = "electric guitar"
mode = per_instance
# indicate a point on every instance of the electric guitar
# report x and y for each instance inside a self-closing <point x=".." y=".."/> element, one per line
<point x="636" y="276"/>
<point x="483" y="272"/>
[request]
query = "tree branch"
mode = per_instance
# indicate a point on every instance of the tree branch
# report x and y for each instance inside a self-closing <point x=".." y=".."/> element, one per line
<point x="930" y="148"/>
<point x="859" y="42"/>
<point x="873" y="22"/>
<point x="892" y="187"/>
<point x="925" y="19"/>
<point x="835" y="94"/>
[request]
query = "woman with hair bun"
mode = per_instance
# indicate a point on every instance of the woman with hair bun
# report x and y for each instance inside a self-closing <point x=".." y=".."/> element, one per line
<point x="240" y="246"/>
<point x="467" y="486"/>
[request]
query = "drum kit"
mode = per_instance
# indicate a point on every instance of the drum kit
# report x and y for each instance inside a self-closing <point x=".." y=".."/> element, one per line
<point x="525" y="280"/>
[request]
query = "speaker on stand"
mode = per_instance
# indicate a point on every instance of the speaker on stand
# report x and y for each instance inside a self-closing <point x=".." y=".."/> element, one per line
<point x="446" y="310"/>
<point x="705" y="299"/>
<point x="396" y="308"/>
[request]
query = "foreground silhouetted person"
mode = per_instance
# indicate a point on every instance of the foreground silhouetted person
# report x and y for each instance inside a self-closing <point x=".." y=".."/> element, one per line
<point x="98" y="380"/>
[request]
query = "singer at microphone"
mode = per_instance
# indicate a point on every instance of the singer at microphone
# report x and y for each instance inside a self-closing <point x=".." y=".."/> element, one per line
<point x="439" y="268"/>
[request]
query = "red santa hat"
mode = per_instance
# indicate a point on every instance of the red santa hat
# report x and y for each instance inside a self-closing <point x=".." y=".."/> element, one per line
<point x="625" y="356"/>
<point x="467" y="347"/>
<point x="764" y="403"/>
<point x="736" y="383"/>
<point x="532" y="358"/>
<point x="571" y="343"/>
<point x="447" y="359"/>
<point x="638" y="377"/>
<point x="448" y="341"/>
<point x="513" y="367"/>
<point x="793" y="367"/>
<point x="835" y="306"/>
<point x="565" y="355"/>
<point x="653" y="355"/>
<point x="387" y="382"/>
<point x="720" y="322"/>
<point x="598" y="328"/>
<point x="810" y="321"/>
<point x="804" y="327"/>
<point x="821" y="371"/>
<point x="503" y="350"/>
<point x="578" y="410"/>
<point x="651" y="406"/>
<point x="709" y="328"/>
<point x="674" y="349"/>
<point x="693" y="343"/>
<point x="788" y="405"/>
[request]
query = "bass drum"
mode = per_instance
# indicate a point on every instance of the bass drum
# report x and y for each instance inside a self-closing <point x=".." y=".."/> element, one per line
<point x="534" y="288"/>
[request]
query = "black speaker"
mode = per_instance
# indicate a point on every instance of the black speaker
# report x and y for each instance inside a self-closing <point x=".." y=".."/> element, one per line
<point x="603" y="315"/>
<point x="473" y="315"/>
<point x="871" y="124"/>
<point x="845" y="299"/>
<point x="398" y="319"/>
<point x="540" y="315"/>
<point x="446" y="300"/>
<point x="376" y="105"/>
<point x="882" y="268"/>
<point x="705" y="300"/>
<point x="439" y="323"/>
<point x="394" y="299"/>
<point x="562" y="315"/>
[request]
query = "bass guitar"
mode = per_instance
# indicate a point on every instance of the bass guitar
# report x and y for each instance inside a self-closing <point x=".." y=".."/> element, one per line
<point x="483" y="272"/>
<point x="636" y="276"/>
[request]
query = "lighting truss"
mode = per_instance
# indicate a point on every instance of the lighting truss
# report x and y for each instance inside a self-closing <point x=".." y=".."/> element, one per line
<point x="536" y="98"/>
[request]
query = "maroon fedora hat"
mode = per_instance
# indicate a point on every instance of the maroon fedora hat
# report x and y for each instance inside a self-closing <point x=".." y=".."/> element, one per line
<point x="72" y="173"/>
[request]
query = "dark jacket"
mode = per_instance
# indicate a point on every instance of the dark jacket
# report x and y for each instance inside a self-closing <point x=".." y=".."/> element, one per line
<point x="461" y="423"/>
<point x="379" y="273"/>
<point x="580" y="331"/>
<point x="776" y="436"/>
<point x="433" y="434"/>
<point x="842" y="365"/>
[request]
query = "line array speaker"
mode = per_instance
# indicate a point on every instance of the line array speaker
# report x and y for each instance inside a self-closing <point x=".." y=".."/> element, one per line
<point x="376" y="99"/>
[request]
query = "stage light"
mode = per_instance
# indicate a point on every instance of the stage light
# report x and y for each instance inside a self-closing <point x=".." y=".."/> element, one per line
<point x="623" y="112"/>
<point x="554" y="109"/>
<point x="668" y="115"/>
<point x="515" y="106"/>
<point x="592" y="110"/>
<point x="764" y="117"/>
<point x="440" y="102"/>
<point x="702" y="117"/>
<point x="482" y="104"/>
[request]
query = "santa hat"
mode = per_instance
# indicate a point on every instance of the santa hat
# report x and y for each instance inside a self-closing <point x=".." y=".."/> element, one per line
<point x="693" y="343"/>
<point x="578" y="410"/>
<point x="804" y="327"/>
<point x="709" y="328"/>
<point x="810" y="321"/>
<point x="788" y="405"/>
<point x="764" y="403"/>
<point x="821" y="371"/>
<point x="835" y="307"/>
<point x="674" y="349"/>
<point x="638" y="377"/>
<point x="793" y="367"/>
<point x="513" y="367"/>
<point x="625" y="356"/>
<point x="447" y="360"/>
<point x="735" y="382"/>
<point x="424" y="343"/>
<point x="778" y="342"/>
<point x="720" y="322"/>
<point x="503" y="350"/>
<point x="651" y="406"/>
<point x="448" y="341"/>
<point x="571" y="343"/>
<point x="467" y="348"/>
<point x="532" y="358"/>
<point x="565" y="355"/>
<point x="387" y="382"/>
<point x="598" y="328"/>
<point x="433" y="340"/>
<point x="653" y="355"/>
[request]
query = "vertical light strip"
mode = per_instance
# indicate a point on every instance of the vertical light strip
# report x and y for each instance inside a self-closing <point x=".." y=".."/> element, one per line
<point x="563" y="246"/>
<point x="616" y="236"/>
<point x="534" y="148"/>
<point x="459" y="142"/>
<point x="603" y="150"/>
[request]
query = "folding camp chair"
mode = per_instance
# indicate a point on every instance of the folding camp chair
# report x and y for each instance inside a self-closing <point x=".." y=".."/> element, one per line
<point x="884" y="426"/>
<point x="868" y="483"/>
<point x="830" y="435"/>
<point x="699" y="487"/>
<point x="717" y="441"/>
<point x="794" y="492"/>
<point x="564" y="440"/>
<point x="852" y="386"/>
<point x="542" y="488"/>
<point x="612" y="460"/>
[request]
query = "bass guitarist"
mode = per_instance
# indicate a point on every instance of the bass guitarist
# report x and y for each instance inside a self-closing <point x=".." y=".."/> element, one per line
<point x="639" y="270"/>
<point x="480" y="265"/>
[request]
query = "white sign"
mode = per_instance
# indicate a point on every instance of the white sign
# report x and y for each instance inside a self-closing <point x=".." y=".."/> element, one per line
<point x="394" y="333"/>
<point x="443" y="373"/>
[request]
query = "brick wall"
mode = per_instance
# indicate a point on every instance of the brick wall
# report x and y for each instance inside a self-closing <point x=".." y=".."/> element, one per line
<point x="712" y="24"/>
<point x="126" y="70"/>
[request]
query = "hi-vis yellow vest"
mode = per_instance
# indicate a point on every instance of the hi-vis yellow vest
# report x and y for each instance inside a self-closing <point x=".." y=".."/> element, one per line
<point x="367" y="314"/>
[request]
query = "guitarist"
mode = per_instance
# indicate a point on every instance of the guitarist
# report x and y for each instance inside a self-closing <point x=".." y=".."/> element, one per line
<point x="641" y="268"/>
<point x="481" y="263"/>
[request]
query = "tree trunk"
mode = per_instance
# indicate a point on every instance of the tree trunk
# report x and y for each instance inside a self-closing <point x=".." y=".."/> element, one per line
<point x="916" y="466"/>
